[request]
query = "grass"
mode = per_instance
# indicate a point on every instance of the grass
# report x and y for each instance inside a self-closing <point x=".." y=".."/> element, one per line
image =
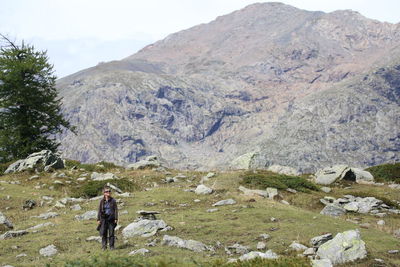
<point x="94" y="188"/>
<point x="386" y="172"/>
<point x="138" y="261"/>
<point x="264" y="179"/>
<point x="242" y="222"/>
<point x="101" y="166"/>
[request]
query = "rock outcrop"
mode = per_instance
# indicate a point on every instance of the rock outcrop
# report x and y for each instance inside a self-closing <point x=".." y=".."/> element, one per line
<point x="43" y="160"/>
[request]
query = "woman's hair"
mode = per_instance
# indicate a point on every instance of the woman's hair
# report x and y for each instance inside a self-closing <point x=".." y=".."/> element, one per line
<point x="106" y="188"/>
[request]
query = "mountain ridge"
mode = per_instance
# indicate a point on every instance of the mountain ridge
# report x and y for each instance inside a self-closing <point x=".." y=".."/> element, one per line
<point x="205" y="95"/>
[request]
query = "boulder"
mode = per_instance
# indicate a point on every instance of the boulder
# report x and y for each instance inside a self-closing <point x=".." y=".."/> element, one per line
<point x="95" y="176"/>
<point x="89" y="215"/>
<point x="243" y="162"/>
<point x="251" y="192"/>
<point x="335" y="173"/>
<point x="149" y="162"/>
<point x="144" y="228"/>
<point x="261" y="245"/>
<point x="283" y="170"/>
<point x="43" y="160"/>
<point x="362" y="175"/>
<point x="5" y="224"/>
<point x="269" y="254"/>
<point x="174" y="241"/>
<point x="225" y="202"/>
<point x="330" y="175"/>
<point x="343" y="248"/>
<point x="203" y="190"/>
<point x="48" y="251"/>
<point x="76" y="207"/>
<point x="272" y="192"/>
<point x="29" y="204"/>
<point x="333" y="210"/>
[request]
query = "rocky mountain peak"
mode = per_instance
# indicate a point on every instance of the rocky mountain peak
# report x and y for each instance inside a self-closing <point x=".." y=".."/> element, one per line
<point x="205" y="95"/>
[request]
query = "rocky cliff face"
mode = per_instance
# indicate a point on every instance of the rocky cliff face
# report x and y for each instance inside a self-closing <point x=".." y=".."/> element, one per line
<point x="301" y="88"/>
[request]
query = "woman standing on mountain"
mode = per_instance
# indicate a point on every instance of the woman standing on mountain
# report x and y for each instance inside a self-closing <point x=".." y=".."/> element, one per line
<point x="107" y="218"/>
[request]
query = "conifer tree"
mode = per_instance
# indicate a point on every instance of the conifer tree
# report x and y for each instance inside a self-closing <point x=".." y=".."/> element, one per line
<point x="30" y="109"/>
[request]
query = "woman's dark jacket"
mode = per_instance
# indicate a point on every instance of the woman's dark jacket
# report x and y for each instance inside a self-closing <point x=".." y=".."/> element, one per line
<point x="114" y="210"/>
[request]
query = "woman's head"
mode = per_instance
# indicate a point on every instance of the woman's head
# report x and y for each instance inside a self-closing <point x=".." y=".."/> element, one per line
<point x="107" y="191"/>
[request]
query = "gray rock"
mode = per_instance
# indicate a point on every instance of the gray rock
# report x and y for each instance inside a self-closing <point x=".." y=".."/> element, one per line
<point x="264" y="237"/>
<point x="272" y="192"/>
<point x="76" y="207"/>
<point x="326" y="189"/>
<point x="48" y="251"/>
<point x="261" y="245"/>
<point x="394" y="186"/>
<point x="256" y="254"/>
<point x="319" y="240"/>
<point x="333" y="210"/>
<point x="225" y="202"/>
<point x="380" y="222"/>
<point x="297" y="246"/>
<point x="149" y="162"/>
<point x="352" y="207"/>
<point x="322" y="263"/>
<point x="29" y="204"/>
<point x="212" y="210"/>
<point x="12" y="234"/>
<point x="141" y="251"/>
<point x="283" y="170"/>
<point x="174" y="241"/>
<point x="238" y="249"/>
<point x="5" y="223"/>
<point x="43" y="160"/>
<point x="89" y="215"/>
<point x="343" y="248"/>
<point x="309" y="252"/>
<point x="46" y="215"/>
<point x="243" y="162"/>
<point x="21" y="255"/>
<point x="34" y="177"/>
<point x="362" y="175"/>
<point x="47" y="224"/>
<point x="396" y="233"/>
<point x="330" y="175"/>
<point x="95" y="176"/>
<point x="115" y="188"/>
<point x="203" y="190"/>
<point x="393" y="251"/>
<point x="94" y="238"/>
<point x="144" y="228"/>
<point x="252" y="192"/>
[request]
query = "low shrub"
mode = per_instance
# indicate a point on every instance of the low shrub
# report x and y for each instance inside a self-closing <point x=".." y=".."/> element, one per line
<point x="94" y="188"/>
<point x="386" y="172"/>
<point x="263" y="179"/>
<point x="4" y="166"/>
<point x="101" y="166"/>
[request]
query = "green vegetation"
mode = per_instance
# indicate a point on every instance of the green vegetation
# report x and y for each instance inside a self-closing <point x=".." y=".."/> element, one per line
<point x="240" y="223"/>
<point x="101" y="166"/>
<point x="264" y="179"/>
<point x="386" y="172"/>
<point x="94" y="188"/>
<point x="138" y="261"/>
<point x="30" y="114"/>
<point x="4" y="166"/>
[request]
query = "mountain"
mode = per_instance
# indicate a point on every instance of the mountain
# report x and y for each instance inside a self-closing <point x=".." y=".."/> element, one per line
<point x="295" y="87"/>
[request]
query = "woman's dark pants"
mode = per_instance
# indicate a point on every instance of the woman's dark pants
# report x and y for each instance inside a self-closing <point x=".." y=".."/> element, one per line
<point x="107" y="230"/>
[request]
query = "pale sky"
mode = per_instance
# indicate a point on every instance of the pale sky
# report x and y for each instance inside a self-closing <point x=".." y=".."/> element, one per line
<point x="78" y="34"/>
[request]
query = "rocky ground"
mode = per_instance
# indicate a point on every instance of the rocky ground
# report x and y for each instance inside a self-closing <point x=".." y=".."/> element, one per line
<point x="189" y="217"/>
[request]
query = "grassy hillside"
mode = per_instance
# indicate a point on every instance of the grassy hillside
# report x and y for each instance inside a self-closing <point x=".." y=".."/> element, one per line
<point x="242" y="222"/>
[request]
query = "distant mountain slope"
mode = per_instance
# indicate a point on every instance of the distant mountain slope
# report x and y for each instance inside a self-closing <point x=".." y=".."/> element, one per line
<point x="205" y="95"/>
